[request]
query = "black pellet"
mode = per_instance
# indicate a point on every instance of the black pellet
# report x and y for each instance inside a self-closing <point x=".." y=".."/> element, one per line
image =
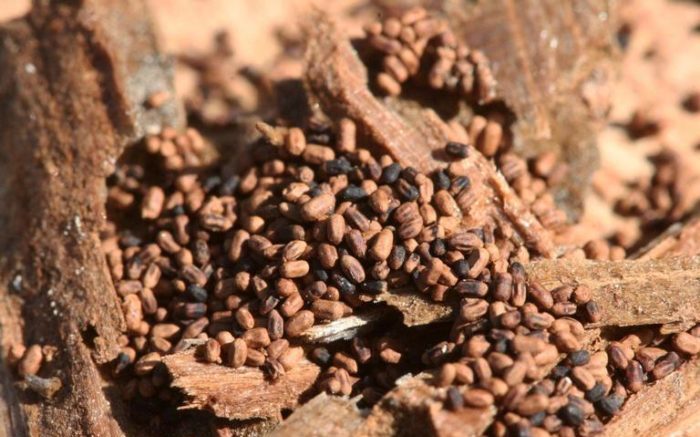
<point x="501" y="345"/>
<point x="438" y="247"/>
<point x="321" y="274"/>
<point x="127" y="239"/>
<point x="268" y="304"/>
<point x="518" y="272"/>
<point x="596" y="393"/>
<point x="338" y="166"/>
<point x="391" y="173"/>
<point x="460" y="183"/>
<point x="610" y="404"/>
<point x="454" y="400"/>
<point x="315" y="191"/>
<point x="353" y="193"/>
<point x="538" y="418"/>
<point x="461" y="268"/>
<point x="457" y="150"/>
<point x="374" y="287"/>
<point x="441" y="180"/>
<point x="121" y="362"/>
<point x="407" y="191"/>
<point x="397" y="256"/>
<point x="579" y="358"/>
<point x="197" y="293"/>
<point x="343" y="283"/>
<point x="229" y="186"/>
<point x="522" y="429"/>
<point x="559" y="372"/>
<point x="572" y="414"/>
<point x="409" y="173"/>
<point x="321" y="356"/>
<point x="210" y="183"/>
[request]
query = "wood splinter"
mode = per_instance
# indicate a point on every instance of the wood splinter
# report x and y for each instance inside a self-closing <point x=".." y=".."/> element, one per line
<point x="238" y="394"/>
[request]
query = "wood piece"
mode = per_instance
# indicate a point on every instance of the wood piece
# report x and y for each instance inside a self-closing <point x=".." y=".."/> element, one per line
<point x="679" y="239"/>
<point x="73" y="75"/>
<point x="682" y="417"/>
<point x="322" y="416"/>
<point x="238" y="394"/>
<point x="413" y="405"/>
<point x="336" y="77"/>
<point x="678" y="393"/>
<point x="416" y="308"/>
<point x="631" y="293"/>
<point x="347" y="327"/>
<point x="554" y="67"/>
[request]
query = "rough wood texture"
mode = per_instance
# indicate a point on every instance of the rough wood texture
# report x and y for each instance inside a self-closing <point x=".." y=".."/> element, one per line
<point x="632" y="293"/>
<point x="417" y="309"/>
<point x="337" y="79"/>
<point x="345" y="328"/>
<point x="73" y="76"/>
<point x="412" y="406"/>
<point x="238" y="394"/>
<point x="322" y="416"/>
<point x="679" y="239"/>
<point x="678" y="394"/>
<point x="552" y="62"/>
<point x="640" y="416"/>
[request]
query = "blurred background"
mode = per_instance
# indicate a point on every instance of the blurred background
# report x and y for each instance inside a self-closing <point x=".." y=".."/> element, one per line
<point x="242" y="46"/>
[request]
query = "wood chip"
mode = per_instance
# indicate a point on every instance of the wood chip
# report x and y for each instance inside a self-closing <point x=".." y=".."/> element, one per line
<point x="641" y="415"/>
<point x="631" y="293"/>
<point x="413" y="405"/>
<point x="322" y="416"/>
<point x="238" y="394"/>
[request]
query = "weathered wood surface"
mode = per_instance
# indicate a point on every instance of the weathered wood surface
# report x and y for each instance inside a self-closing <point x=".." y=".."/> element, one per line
<point x="73" y="77"/>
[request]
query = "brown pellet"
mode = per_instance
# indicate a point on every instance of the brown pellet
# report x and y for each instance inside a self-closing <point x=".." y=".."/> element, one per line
<point x="212" y="351"/>
<point x="255" y="358"/>
<point x="299" y="322"/>
<point x="327" y="309"/>
<point x="256" y="338"/>
<point x="318" y="208"/>
<point x="686" y="343"/>
<point x="294" y="269"/>
<point x="295" y="141"/>
<point x="237" y="353"/>
<point x="478" y="398"/>
<point x="352" y="268"/>
<point x="291" y="357"/>
<point x="31" y="360"/>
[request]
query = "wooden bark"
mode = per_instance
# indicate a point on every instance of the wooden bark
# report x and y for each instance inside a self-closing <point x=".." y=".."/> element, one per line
<point x="632" y="293"/>
<point x="554" y="65"/>
<point x="73" y="77"/>
<point x="413" y="406"/>
<point x="640" y="416"/>
<point x="337" y="79"/>
<point x="678" y="240"/>
<point x="322" y="416"/>
<point x="669" y="407"/>
<point x="238" y="394"/>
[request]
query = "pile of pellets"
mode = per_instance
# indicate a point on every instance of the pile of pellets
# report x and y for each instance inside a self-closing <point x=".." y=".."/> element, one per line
<point x="316" y="228"/>
<point x="420" y="48"/>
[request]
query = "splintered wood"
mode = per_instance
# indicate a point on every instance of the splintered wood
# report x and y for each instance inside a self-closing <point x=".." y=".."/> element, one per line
<point x="241" y="393"/>
<point x="632" y="293"/>
<point x="669" y="405"/>
<point x="336" y="77"/>
<point x="322" y="416"/>
<point x="412" y="405"/>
